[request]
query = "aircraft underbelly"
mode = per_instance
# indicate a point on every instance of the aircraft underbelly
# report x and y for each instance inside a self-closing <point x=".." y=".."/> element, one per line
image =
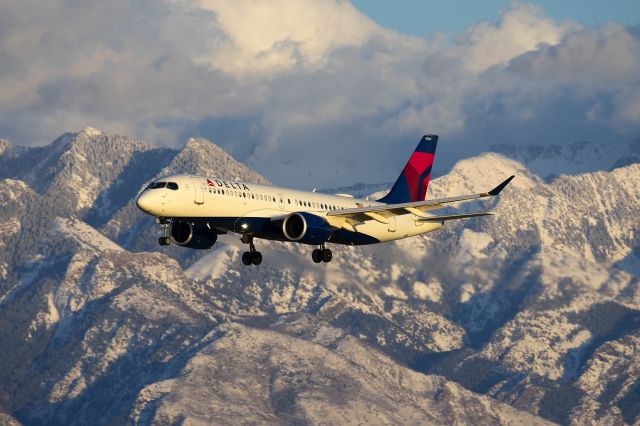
<point x="405" y="226"/>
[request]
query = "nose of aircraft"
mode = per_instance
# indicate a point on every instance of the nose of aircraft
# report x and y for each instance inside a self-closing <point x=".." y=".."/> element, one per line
<point x="145" y="202"/>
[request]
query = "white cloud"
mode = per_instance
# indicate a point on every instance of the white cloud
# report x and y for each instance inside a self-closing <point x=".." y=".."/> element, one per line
<point x="309" y="90"/>
<point x="281" y="35"/>
<point x="520" y="29"/>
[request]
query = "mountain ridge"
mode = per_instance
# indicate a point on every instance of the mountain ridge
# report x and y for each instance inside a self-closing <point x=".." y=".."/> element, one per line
<point x="529" y="313"/>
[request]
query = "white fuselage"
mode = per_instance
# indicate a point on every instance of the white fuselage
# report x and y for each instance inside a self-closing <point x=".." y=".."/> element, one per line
<point x="227" y="203"/>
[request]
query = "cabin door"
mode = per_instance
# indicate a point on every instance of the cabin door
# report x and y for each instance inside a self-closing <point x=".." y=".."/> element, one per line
<point x="198" y="188"/>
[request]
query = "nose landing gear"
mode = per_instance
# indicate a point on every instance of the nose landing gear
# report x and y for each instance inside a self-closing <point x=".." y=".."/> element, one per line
<point x="252" y="256"/>
<point x="164" y="240"/>
<point x="321" y="254"/>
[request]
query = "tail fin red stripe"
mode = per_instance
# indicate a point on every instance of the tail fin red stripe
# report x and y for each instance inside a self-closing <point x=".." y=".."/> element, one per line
<point x="412" y="183"/>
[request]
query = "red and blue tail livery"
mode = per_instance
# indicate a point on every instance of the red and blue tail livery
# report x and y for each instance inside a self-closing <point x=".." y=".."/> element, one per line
<point x="412" y="183"/>
<point x="194" y="210"/>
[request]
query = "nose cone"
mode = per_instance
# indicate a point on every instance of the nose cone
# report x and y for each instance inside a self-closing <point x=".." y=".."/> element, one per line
<point x="145" y="202"/>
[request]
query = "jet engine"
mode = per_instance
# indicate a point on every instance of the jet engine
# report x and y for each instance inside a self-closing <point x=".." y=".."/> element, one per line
<point x="193" y="235"/>
<point x="306" y="228"/>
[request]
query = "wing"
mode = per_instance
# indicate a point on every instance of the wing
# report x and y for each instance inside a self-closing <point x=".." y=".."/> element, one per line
<point x="348" y="218"/>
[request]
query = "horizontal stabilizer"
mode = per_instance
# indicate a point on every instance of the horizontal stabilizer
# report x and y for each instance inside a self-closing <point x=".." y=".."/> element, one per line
<point x="453" y="217"/>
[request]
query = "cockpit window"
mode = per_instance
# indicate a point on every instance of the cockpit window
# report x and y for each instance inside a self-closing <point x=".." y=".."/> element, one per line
<point x="156" y="185"/>
<point x="172" y="185"/>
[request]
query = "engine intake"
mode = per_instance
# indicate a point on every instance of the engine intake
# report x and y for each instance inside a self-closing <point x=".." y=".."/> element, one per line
<point x="193" y="235"/>
<point x="306" y="228"/>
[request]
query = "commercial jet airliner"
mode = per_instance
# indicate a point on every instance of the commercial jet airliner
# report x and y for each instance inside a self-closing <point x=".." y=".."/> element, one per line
<point x="194" y="210"/>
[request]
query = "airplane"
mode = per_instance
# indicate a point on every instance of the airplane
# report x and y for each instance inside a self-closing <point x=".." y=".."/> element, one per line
<point x="194" y="210"/>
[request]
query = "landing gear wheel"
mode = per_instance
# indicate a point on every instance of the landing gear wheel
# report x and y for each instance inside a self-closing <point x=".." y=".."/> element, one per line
<point x="252" y="256"/>
<point x="316" y="255"/>
<point x="164" y="240"/>
<point x="326" y="255"/>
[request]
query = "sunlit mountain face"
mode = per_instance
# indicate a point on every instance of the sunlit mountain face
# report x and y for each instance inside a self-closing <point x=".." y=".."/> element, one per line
<point x="529" y="316"/>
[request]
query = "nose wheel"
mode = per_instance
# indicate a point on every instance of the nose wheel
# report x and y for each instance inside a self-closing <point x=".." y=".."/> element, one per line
<point x="165" y="240"/>
<point x="251" y="257"/>
<point x="321" y="254"/>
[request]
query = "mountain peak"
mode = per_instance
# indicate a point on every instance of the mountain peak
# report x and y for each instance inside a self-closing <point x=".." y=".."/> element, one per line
<point x="199" y="142"/>
<point x="549" y="161"/>
<point x="482" y="173"/>
<point x="203" y="147"/>
<point x="203" y="157"/>
<point x="90" y="131"/>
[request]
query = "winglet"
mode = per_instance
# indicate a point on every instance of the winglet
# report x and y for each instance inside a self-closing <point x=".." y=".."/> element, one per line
<point x="497" y="189"/>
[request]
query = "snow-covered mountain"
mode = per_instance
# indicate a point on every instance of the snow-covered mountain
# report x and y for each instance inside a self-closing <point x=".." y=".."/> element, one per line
<point x="551" y="160"/>
<point x="527" y="317"/>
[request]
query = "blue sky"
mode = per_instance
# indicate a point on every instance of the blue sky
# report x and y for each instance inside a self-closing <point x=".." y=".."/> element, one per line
<point x="425" y="17"/>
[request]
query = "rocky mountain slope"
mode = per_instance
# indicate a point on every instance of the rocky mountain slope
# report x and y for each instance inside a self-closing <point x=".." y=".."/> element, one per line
<point x="529" y="316"/>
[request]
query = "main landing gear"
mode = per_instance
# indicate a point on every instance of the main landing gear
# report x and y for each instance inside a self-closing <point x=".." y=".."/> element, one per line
<point x="252" y="256"/>
<point x="321" y="254"/>
<point x="164" y="240"/>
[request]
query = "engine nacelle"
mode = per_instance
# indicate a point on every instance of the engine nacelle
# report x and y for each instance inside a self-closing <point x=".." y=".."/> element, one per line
<point x="193" y="235"/>
<point x="306" y="228"/>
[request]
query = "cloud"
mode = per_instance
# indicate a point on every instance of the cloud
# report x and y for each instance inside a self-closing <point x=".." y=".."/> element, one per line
<point x="310" y="90"/>
<point x="281" y="36"/>
<point x="519" y="30"/>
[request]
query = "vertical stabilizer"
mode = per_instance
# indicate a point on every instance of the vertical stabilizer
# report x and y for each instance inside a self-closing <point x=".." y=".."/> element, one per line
<point x="412" y="183"/>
